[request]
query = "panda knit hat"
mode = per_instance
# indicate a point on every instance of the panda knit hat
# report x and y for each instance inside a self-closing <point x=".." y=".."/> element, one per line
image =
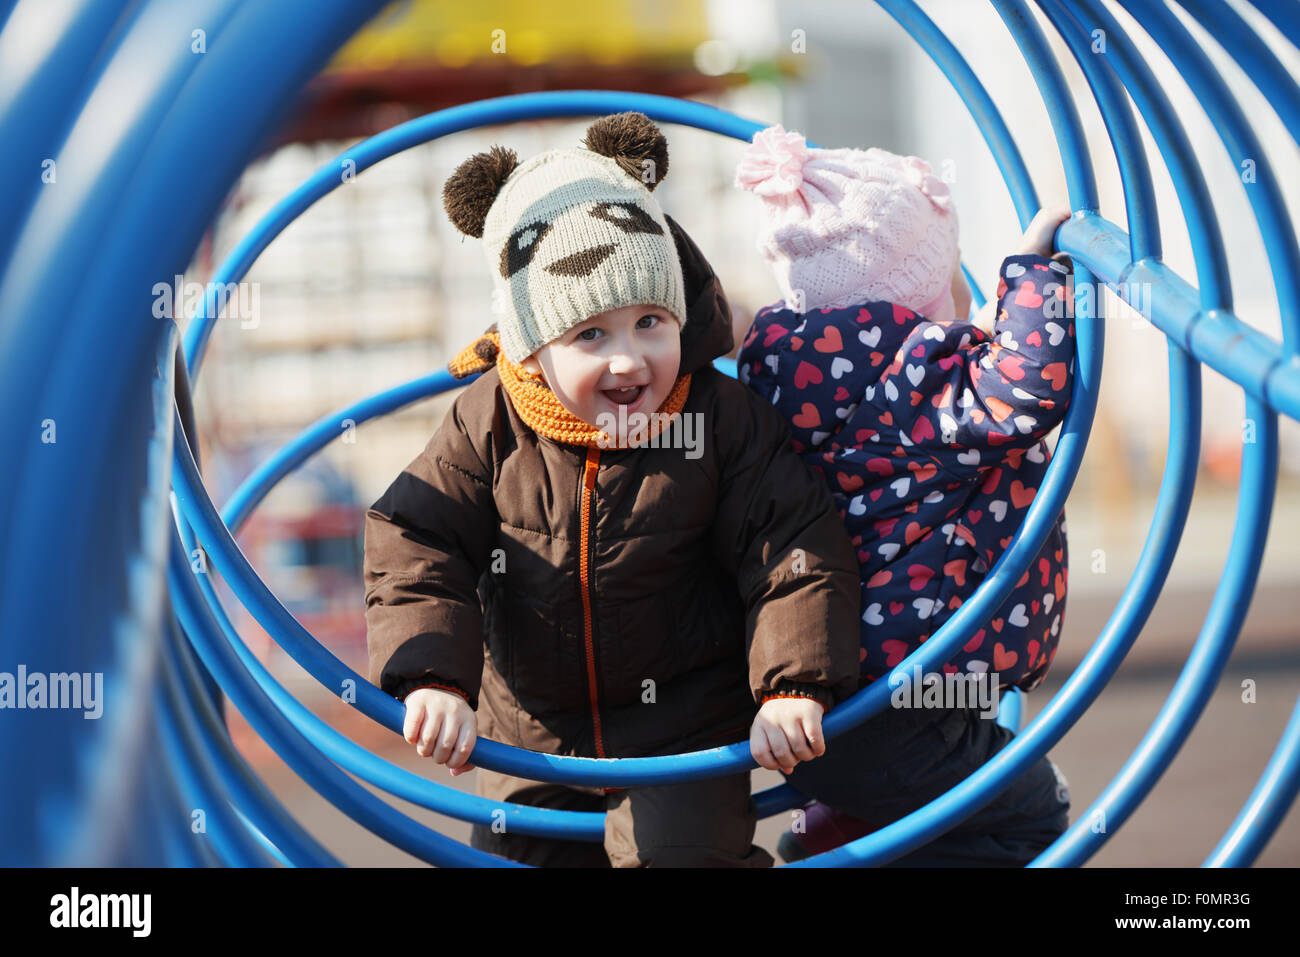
<point x="571" y="233"/>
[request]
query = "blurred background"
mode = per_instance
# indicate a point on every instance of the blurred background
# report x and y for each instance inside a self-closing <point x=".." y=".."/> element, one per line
<point x="373" y="287"/>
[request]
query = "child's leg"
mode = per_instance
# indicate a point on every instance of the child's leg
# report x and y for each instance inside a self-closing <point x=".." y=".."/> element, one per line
<point x="537" y="851"/>
<point x="904" y="758"/>
<point x="707" y="823"/>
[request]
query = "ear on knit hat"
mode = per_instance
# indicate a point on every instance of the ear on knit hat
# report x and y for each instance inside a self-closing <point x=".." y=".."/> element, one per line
<point x="468" y="194"/>
<point x="633" y="140"/>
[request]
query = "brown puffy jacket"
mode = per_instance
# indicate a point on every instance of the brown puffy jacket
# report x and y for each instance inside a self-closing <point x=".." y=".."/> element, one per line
<point x="651" y="615"/>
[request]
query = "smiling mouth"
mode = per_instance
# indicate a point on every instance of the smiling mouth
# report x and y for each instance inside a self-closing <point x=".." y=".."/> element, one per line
<point x="627" y="396"/>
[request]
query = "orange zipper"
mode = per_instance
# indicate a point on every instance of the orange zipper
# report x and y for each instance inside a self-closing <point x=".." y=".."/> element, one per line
<point x="584" y="575"/>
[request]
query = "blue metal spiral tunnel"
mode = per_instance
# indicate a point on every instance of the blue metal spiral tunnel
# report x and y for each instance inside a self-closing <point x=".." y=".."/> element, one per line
<point x="106" y="531"/>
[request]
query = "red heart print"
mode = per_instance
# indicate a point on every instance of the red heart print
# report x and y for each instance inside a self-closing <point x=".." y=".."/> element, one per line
<point x="1021" y="496"/>
<point x="806" y="373"/>
<point x="1055" y="373"/>
<point x="997" y="624"/>
<point x="841" y="394"/>
<point x="956" y="570"/>
<point x="922" y="430"/>
<point x="895" y="607"/>
<point x="1003" y="660"/>
<point x="808" y="417"/>
<point x="850" y="483"/>
<point x="976" y="640"/>
<point x="1011" y="366"/>
<point x="1026" y="296"/>
<point x="795" y="343"/>
<point x="920" y="575"/>
<point x="1034" y="339"/>
<point x="774" y="332"/>
<point x="830" y="341"/>
<point x="881" y="577"/>
<point x="894" y="650"/>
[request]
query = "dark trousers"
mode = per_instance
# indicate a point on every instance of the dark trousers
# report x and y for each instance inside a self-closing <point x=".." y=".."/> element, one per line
<point x="904" y="758"/>
<point x="707" y="823"/>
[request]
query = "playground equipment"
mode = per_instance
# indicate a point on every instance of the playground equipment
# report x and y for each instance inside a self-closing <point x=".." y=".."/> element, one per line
<point x="120" y="166"/>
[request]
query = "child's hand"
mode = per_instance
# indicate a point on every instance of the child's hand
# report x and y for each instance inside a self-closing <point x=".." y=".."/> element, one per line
<point x="1042" y="229"/>
<point x="440" y="723"/>
<point x="785" y="732"/>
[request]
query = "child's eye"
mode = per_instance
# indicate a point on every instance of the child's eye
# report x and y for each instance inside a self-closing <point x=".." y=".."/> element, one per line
<point x="586" y="338"/>
<point x="648" y="315"/>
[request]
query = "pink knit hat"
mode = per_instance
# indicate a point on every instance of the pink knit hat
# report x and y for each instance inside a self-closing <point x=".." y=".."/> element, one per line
<point x="848" y="226"/>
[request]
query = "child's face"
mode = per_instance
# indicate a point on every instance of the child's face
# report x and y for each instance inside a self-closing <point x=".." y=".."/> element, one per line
<point x="630" y="346"/>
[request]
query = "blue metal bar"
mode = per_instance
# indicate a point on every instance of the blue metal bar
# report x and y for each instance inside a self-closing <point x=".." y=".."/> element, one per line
<point x="1126" y="140"/>
<point x="1070" y="138"/>
<point x="1167" y="734"/>
<point x="1267" y="804"/>
<point x="127" y="155"/>
<point x="260" y="712"/>
<point x="1256" y="59"/>
<point x="203" y="793"/>
<point x="1214" y="337"/>
<point x="982" y="109"/>
<point x="44" y="74"/>
<point x="1263" y="194"/>
<point x="266" y="818"/>
<point x="1282" y="15"/>
<point x="519" y="818"/>
<point x="1179" y="156"/>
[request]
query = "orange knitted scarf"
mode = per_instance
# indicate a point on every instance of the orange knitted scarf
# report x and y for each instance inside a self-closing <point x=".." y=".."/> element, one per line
<point x="541" y="410"/>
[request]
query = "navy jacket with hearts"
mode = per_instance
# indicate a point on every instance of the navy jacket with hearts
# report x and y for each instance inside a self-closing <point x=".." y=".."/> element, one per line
<point x="930" y="436"/>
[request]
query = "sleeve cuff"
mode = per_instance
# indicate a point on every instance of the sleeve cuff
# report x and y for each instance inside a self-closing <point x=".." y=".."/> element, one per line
<point x="795" y="689"/>
<point x="405" y="687"/>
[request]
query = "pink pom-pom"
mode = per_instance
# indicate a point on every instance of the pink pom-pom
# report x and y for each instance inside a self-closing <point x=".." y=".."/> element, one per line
<point x="772" y="166"/>
<point x="920" y="175"/>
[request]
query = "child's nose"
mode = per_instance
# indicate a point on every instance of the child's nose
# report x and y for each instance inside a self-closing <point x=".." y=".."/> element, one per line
<point x="626" y="360"/>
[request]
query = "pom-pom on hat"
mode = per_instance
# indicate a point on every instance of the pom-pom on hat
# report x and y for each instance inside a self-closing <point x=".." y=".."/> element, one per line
<point x="570" y="234"/>
<point x="844" y="226"/>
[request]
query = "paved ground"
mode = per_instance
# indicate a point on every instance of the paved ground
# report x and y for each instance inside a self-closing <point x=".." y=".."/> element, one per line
<point x="1194" y="802"/>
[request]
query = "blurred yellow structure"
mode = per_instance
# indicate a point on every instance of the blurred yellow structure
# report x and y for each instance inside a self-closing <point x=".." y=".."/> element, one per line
<point x="526" y="32"/>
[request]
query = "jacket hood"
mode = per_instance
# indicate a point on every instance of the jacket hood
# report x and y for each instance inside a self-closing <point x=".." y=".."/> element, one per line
<point x="706" y="332"/>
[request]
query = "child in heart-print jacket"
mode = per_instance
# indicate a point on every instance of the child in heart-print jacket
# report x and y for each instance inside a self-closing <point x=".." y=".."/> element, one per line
<point x="928" y="430"/>
<point x="931" y="437"/>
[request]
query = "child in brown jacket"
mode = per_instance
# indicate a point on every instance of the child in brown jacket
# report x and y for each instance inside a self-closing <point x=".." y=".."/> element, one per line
<point x="627" y="527"/>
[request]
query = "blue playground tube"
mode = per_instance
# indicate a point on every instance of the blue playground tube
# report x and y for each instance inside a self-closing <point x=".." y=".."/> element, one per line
<point x="158" y="631"/>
